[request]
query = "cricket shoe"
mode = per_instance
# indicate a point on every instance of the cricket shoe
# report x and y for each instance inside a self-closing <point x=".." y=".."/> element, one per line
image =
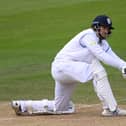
<point x="16" y="105"/>
<point x="117" y="112"/>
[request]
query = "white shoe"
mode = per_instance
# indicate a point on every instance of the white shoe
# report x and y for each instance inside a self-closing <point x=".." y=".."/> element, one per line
<point x="117" y="112"/>
<point x="17" y="107"/>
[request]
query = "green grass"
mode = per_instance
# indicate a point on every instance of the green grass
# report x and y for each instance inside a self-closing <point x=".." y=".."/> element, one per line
<point x="33" y="31"/>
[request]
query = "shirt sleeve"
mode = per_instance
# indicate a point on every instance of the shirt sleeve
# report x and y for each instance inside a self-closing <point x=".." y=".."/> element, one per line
<point x="91" y="43"/>
<point x="114" y="55"/>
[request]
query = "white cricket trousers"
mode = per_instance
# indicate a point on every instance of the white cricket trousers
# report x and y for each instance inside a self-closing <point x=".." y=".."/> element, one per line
<point x="67" y="74"/>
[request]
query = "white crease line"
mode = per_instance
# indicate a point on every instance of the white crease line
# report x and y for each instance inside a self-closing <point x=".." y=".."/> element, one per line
<point x="87" y="106"/>
<point x="51" y="119"/>
<point x="6" y="119"/>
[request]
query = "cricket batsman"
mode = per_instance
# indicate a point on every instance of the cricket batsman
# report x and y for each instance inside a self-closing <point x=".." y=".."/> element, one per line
<point x="79" y="61"/>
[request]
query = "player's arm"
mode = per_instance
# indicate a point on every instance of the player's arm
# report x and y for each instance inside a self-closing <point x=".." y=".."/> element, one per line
<point x="112" y="53"/>
<point x="92" y="44"/>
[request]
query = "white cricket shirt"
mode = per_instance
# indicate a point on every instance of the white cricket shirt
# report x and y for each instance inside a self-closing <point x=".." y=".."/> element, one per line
<point x="85" y="46"/>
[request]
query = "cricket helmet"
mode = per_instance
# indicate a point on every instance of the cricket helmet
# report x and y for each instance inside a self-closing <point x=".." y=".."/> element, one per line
<point x="102" y="20"/>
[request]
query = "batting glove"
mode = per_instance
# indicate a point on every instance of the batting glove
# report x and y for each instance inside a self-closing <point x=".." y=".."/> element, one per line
<point x="124" y="72"/>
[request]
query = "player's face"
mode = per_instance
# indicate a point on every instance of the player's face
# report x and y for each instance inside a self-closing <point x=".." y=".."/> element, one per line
<point x="104" y="31"/>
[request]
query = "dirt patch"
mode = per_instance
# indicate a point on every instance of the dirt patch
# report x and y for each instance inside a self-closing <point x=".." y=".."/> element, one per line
<point x="86" y="115"/>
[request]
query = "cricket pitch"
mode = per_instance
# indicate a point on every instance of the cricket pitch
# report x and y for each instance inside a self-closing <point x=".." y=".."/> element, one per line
<point x="86" y="115"/>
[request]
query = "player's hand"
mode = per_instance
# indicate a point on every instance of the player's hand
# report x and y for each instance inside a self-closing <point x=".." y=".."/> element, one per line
<point x="124" y="72"/>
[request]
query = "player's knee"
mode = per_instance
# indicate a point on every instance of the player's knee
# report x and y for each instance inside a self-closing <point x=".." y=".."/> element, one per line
<point x="70" y="108"/>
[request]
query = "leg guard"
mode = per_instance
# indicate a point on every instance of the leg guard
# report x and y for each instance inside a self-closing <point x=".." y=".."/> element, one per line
<point x="42" y="107"/>
<point x="38" y="107"/>
<point x="102" y="86"/>
<point x="71" y="109"/>
<point x="29" y="107"/>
